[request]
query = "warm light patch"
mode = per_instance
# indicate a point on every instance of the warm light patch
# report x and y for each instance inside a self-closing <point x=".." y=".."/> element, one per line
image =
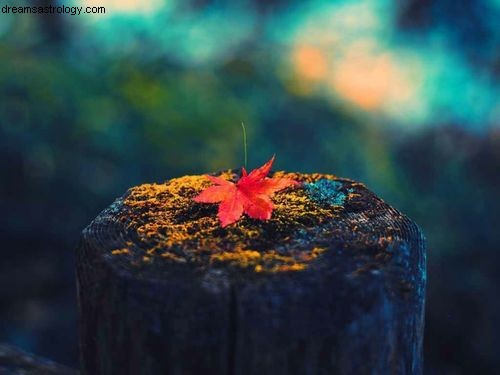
<point x="370" y="81"/>
<point x="344" y="51"/>
<point x="310" y="63"/>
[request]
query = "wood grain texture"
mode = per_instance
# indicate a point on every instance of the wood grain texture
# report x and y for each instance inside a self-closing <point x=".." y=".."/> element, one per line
<point x="14" y="361"/>
<point x="357" y="308"/>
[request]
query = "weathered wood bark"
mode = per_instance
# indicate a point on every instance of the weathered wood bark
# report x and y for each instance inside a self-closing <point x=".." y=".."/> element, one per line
<point x="16" y="361"/>
<point x="336" y="289"/>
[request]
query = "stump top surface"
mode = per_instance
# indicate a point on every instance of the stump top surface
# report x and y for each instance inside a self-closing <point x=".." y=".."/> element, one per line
<point x="158" y="227"/>
<point x="335" y="270"/>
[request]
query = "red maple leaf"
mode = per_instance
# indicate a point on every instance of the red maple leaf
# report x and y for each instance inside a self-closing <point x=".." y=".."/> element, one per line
<point x="251" y="194"/>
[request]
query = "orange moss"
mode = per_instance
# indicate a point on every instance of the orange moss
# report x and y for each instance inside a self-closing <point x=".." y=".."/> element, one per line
<point x="242" y="258"/>
<point x="286" y="267"/>
<point x="353" y="195"/>
<point x="119" y="251"/>
<point x="173" y="257"/>
<point x="171" y="226"/>
<point x="268" y="260"/>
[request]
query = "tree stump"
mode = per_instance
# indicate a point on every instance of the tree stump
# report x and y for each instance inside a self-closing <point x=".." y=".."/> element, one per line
<point x="333" y="283"/>
<point x="14" y="361"/>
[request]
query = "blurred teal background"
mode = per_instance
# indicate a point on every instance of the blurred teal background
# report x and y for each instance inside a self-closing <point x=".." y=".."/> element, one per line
<point x="401" y="95"/>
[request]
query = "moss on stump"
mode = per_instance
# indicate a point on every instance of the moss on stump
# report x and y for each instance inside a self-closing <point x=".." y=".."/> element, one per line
<point x="332" y="283"/>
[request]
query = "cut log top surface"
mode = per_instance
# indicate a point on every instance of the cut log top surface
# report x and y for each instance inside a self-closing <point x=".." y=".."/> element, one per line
<point x="14" y="361"/>
<point x="328" y="224"/>
<point x="333" y="283"/>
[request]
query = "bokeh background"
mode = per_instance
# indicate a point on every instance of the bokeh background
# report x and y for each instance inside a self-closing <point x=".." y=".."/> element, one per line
<point x="401" y="95"/>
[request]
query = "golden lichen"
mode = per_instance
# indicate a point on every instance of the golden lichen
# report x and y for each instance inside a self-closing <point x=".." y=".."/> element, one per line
<point x="268" y="260"/>
<point x="173" y="257"/>
<point x="119" y="251"/>
<point x="174" y="228"/>
<point x="353" y="195"/>
<point x="243" y="258"/>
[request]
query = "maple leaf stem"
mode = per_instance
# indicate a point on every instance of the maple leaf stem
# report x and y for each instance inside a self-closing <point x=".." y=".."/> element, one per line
<point x="244" y="142"/>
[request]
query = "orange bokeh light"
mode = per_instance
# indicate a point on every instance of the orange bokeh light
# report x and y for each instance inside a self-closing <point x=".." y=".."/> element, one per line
<point x="370" y="81"/>
<point x="310" y="63"/>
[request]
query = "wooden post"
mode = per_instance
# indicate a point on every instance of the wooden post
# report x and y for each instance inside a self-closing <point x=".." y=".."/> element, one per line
<point x="334" y="283"/>
<point x="16" y="361"/>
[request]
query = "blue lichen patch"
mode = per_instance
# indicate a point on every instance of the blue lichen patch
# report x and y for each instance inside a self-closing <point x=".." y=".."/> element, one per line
<point x="326" y="192"/>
